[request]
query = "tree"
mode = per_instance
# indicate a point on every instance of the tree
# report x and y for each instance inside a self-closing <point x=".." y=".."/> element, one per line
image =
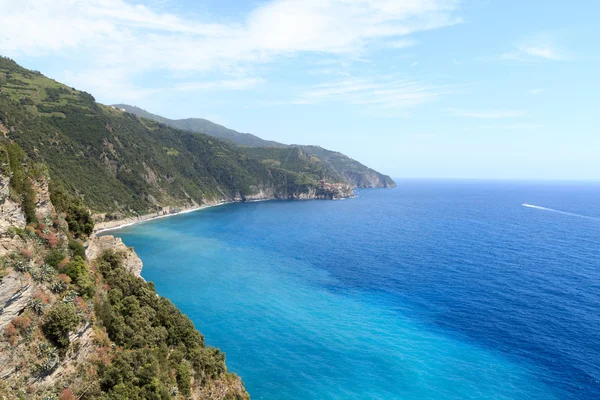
<point x="60" y="320"/>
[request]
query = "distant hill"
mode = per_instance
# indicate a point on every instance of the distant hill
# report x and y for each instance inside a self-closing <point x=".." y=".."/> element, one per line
<point x="203" y="126"/>
<point x="337" y="164"/>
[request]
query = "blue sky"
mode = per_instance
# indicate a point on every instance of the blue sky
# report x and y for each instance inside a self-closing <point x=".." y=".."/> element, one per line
<point x="414" y="88"/>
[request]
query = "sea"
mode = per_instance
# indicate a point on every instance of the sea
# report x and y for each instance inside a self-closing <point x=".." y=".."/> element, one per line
<point x="432" y="290"/>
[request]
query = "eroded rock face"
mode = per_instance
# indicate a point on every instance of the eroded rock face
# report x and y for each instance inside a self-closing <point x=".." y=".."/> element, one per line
<point x="43" y="205"/>
<point x="324" y="191"/>
<point x="15" y="292"/>
<point x="97" y="245"/>
<point x="11" y="215"/>
<point x="10" y="211"/>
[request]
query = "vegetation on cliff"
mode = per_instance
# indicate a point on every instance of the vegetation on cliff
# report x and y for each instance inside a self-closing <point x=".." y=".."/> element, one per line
<point x="78" y="328"/>
<point x="336" y="166"/>
<point x="109" y="160"/>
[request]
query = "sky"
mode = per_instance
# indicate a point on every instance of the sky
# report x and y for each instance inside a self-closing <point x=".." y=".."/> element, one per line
<point x="482" y="89"/>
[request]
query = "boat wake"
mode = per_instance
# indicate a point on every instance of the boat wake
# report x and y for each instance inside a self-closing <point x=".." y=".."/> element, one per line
<point x="560" y="212"/>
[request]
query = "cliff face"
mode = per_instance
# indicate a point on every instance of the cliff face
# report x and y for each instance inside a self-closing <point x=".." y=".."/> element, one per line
<point x="98" y="245"/>
<point x="64" y="331"/>
<point x="323" y="191"/>
<point x="369" y="179"/>
<point x="11" y="215"/>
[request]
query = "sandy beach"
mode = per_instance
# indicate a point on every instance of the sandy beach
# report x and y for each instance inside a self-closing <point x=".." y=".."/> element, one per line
<point x="103" y="227"/>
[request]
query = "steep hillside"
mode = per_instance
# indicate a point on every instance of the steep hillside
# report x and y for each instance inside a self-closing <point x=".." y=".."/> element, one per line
<point x="115" y="161"/>
<point x="352" y="171"/>
<point x="205" y="126"/>
<point x="80" y="323"/>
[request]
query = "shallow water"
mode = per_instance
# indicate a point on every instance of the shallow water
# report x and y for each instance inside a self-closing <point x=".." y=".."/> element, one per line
<point x="434" y="290"/>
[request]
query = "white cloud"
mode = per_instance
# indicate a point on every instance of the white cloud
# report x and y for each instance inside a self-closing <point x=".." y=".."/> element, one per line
<point x="115" y="80"/>
<point x="540" y="46"/>
<point x="400" y="44"/>
<point x="386" y="93"/>
<point x="128" y="40"/>
<point x="489" y="114"/>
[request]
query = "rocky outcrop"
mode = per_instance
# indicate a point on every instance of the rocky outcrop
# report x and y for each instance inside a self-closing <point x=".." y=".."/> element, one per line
<point x="11" y="215"/>
<point x="369" y="179"/>
<point x="97" y="245"/>
<point x="15" y="292"/>
<point x="43" y="205"/>
<point x="323" y="191"/>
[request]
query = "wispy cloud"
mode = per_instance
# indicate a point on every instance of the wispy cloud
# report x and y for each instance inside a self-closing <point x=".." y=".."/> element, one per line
<point x="512" y="127"/>
<point x="400" y="44"/>
<point x="133" y="39"/>
<point x="540" y="46"/>
<point x="384" y="94"/>
<point x="488" y="114"/>
<point x="534" y="92"/>
<point x="116" y="80"/>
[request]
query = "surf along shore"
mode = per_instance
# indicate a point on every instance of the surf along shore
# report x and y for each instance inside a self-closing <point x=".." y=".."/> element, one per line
<point x="102" y="227"/>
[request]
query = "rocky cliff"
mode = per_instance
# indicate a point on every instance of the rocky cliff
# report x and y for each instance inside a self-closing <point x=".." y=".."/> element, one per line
<point x="11" y="216"/>
<point x="66" y="321"/>
<point x="323" y="191"/>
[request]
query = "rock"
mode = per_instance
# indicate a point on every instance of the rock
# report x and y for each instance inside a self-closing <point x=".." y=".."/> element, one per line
<point x="11" y="214"/>
<point x="15" y="292"/>
<point x="97" y="245"/>
<point x="43" y="204"/>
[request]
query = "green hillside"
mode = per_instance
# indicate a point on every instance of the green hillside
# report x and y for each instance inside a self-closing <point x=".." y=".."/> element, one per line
<point x="205" y="126"/>
<point x="115" y="161"/>
<point x="345" y="168"/>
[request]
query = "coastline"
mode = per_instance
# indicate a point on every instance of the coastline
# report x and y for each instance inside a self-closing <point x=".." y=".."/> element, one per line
<point x="107" y="226"/>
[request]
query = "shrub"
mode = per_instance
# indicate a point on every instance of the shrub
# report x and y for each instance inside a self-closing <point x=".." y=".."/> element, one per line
<point x="54" y="258"/>
<point x="60" y="320"/>
<point x="19" y="181"/>
<point x="67" y="394"/>
<point x="75" y="269"/>
<point x="183" y="378"/>
<point x="52" y="239"/>
<point x="77" y="216"/>
<point x="10" y="333"/>
<point x="76" y="249"/>
<point x="37" y="306"/>
<point x="21" y="323"/>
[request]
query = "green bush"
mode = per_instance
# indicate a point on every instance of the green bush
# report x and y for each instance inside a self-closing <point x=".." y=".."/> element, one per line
<point x="77" y="216"/>
<point x="183" y="378"/>
<point x="20" y="184"/>
<point x="61" y="319"/>
<point x="78" y="271"/>
<point x="75" y="268"/>
<point x="54" y="258"/>
<point x="152" y="329"/>
<point x="76" y="249"/>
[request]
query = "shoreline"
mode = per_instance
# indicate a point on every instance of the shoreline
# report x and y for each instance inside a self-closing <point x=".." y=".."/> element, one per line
<point x="125" y="222"/>
<point x="108" y="226"/>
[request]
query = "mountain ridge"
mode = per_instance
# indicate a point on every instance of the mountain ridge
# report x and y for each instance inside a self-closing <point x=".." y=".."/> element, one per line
<point x="355" y="173"/>
<point x="116" y="162"/>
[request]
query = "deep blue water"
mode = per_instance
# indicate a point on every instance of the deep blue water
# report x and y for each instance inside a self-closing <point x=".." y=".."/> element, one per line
<point x="434" y="290"/>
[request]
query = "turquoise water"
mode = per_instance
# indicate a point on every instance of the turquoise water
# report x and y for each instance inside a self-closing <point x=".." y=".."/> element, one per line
<point x="435" y="290"/>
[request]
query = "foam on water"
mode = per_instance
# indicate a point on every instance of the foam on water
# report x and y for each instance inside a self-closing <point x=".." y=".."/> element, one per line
<point x="560" y="212"/>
